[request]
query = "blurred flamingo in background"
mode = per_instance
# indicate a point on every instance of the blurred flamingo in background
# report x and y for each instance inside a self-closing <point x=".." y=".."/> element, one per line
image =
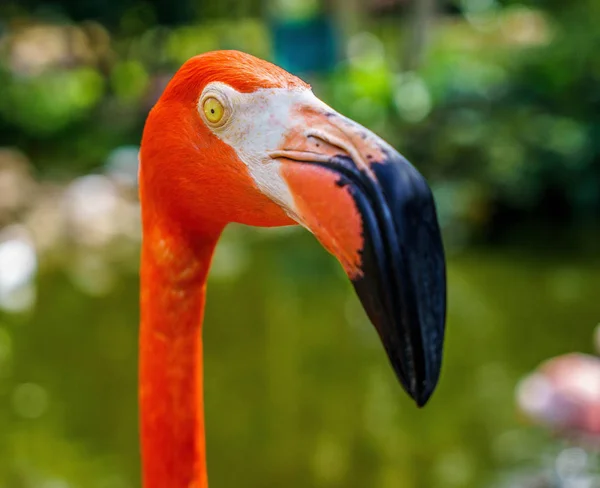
<point x="237" y="139"/>
<point x="564" y="394"/>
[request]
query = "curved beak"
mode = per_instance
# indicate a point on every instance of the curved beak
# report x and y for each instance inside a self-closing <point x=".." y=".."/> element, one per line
<point x="375" y="212"/>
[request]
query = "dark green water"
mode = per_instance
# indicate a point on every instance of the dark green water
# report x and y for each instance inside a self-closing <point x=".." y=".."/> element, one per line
<point x="298" y="390"/>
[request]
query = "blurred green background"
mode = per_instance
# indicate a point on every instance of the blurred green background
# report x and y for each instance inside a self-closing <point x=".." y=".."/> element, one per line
<point x="496" y="102"/>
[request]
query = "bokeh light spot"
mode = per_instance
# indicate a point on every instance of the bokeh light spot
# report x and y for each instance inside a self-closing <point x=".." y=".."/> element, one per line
<point x="30" y="400"/>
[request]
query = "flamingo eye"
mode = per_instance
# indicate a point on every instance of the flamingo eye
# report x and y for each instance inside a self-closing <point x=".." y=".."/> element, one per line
<point x="213" y="110"/>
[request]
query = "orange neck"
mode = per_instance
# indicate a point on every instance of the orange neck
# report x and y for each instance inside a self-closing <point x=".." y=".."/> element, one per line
<point x="173" y="285"/>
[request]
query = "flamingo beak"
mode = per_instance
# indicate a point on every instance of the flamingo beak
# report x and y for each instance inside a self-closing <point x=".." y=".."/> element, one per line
<point x="375" y="212"/>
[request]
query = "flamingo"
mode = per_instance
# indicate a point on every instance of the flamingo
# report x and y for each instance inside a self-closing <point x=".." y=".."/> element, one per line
<point x="237" y="139"/>
<point x="563" y="394"/>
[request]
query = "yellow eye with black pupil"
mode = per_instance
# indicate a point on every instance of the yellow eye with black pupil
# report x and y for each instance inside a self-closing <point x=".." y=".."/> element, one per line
<point x="213" y="110"/>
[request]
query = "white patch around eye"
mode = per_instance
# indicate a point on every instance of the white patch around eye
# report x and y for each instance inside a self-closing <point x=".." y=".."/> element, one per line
<point x="258" y="124"/>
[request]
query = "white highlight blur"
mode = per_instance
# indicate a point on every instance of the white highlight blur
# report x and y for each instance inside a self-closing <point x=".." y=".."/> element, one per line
<point x="365" y="51"/>
<point x="18" y="266"/>
<point x="96" y="211"/>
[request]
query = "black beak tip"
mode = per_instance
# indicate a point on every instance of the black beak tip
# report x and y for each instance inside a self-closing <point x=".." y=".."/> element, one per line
<point x="419" y="388"/>
<point x="421" y="396"/>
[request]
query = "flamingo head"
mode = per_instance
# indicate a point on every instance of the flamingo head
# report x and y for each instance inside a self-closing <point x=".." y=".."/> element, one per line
<point x="236" y="139"/>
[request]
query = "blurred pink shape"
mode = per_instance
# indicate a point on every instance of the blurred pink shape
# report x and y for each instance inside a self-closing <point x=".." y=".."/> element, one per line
<point x="564" y="394"/>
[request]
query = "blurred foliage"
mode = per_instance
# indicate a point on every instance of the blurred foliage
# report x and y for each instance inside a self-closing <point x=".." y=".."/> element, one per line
<point x="502" y="114"/>
<point x="297" y="390"/>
